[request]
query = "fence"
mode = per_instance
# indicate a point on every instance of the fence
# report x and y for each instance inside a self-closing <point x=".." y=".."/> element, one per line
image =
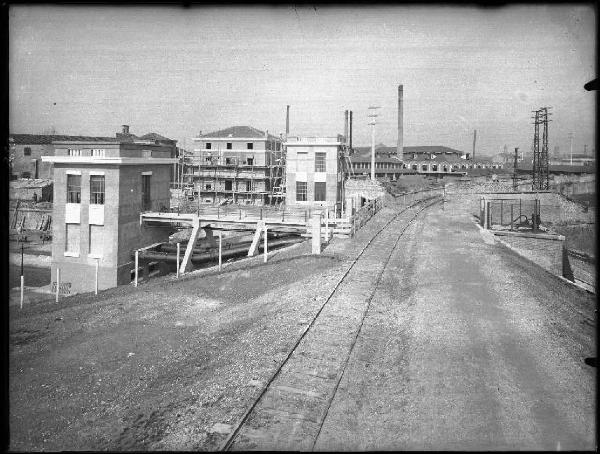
<point x="512" y="213"/>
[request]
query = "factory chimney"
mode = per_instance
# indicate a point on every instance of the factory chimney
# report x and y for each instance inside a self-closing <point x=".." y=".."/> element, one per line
<point x="474" y="142"/>
<point x="287" y="122"/>
<point x="350" y="132"/>
<point x="346" y="126"/>
<point x="400" y="148"/>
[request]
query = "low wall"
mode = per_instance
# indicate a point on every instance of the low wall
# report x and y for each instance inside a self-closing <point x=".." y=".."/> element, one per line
<point x="547" y="250"/>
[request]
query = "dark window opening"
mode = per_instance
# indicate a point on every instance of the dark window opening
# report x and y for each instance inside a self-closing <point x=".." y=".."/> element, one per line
<point x="228" y="185"/>
<point x="250" y="145"/>
<point x="229" y="145"/>
<point x="27" y="151"/>
<point x="250" y="161"/>
<point x="146" y="197"/>
<point x="73" y="188"/>
<point x="208" y="145"/>
<point x="320" y="191"/>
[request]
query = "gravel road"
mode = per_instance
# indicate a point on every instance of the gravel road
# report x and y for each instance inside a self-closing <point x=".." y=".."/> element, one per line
<point x="465" y="346"/>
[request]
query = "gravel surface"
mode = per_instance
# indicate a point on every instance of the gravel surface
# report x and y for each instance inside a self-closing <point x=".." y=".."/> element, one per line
<point x="170" y="365"/>
<point x="467" y="346"/>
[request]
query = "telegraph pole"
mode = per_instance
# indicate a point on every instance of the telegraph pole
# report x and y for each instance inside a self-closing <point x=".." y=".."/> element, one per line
<point x="571" y="146"/>
<point x="372" y="123"/>
<point x="515" y="169"/>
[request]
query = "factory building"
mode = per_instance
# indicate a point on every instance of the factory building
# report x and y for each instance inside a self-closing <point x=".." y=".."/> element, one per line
<point x="100" y="189"/>
<point x="315" y="171"/>
<point x="240" y="165"/>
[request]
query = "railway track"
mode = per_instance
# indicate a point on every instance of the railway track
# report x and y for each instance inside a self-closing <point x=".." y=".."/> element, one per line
<point x="290" y="409"/>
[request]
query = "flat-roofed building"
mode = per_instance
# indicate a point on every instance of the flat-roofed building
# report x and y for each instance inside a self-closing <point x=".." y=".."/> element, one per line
<point x="315" y="171"/>
<point x="100" y="189"/>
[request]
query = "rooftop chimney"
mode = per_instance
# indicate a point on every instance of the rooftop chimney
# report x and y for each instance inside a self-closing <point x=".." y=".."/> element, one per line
<point x="125" y="129"/>
<point x="287" y="122"/>
<point x="400" y="147"/>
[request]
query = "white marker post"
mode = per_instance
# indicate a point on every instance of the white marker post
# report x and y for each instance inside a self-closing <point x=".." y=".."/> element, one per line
<point x="22" y="289"/>
<point x="220" y="249"/>
<point x="326" y="225"/>
<point x="135" y="282"/>
<point x="57" y="282"/>
<point x="265" y="247"/>
<point x="96" y="287"/>
<point x="178" y="254"/>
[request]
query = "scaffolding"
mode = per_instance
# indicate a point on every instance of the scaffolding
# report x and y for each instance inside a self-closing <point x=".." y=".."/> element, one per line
<point x="231" y="180"/>
<point x="540" y="155"/>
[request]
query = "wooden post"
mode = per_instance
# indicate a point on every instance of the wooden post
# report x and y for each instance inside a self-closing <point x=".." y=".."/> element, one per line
<point x="135" y="281"/>
<point x="178" y="255"/>
<point x="220" y="249"/>
<point x="326" y="225"/>
<point x="22" y="289"/>
<point x="96" y="286"/>
<point x="57" y="282"/>
<point x="265" y="246"/>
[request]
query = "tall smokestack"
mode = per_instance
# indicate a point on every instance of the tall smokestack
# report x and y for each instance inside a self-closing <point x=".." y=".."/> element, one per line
<point x="287" y="122"/>
<point x="474" y="142"/>
<point x="346" y="126"/>
<point x="400" y="148"/>
<point x="350" y="127"/>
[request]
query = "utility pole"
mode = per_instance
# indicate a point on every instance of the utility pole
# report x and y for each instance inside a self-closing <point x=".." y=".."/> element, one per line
<point x="474" y="142"/>
<point x="571" y="146"/>
<point x="372" y="123"/>
<point x="515" y="169"/>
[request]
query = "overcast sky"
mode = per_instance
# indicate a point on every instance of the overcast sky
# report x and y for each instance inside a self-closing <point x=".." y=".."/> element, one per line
<point x="176" y="71"/>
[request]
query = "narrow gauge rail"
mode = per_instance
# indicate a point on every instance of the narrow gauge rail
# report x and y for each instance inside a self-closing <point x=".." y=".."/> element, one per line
<point x="327" y="397"/>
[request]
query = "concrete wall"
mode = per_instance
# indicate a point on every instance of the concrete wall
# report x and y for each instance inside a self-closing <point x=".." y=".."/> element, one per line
<point x="549" y="253"/>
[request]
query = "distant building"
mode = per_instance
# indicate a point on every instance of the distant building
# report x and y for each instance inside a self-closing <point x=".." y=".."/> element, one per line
<point x="315" y="168"/>
<point x="579" y="159"/>
<point x="240" y="165"/>
<point x="421" y="159"/>
<point x="26" y="150"/>
<point x="30" y="189"/>
<point x="100" y="188"/>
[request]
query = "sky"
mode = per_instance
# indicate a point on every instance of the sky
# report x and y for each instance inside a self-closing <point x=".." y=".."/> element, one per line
<point x="177" y="71"/>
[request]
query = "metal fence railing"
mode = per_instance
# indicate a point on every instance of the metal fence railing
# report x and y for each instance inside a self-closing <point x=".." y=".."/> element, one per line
<point x="511" y="213"/>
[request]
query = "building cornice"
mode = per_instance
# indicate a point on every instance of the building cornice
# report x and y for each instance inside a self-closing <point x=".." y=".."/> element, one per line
<point x="105" y="161"/>
<point x="231" y="139"/>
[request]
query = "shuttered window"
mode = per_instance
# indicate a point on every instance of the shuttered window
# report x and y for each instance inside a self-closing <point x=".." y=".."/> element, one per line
<point x="96" y="239"/>
<point x="320" y="191"/>
<point x="72" y="237"/>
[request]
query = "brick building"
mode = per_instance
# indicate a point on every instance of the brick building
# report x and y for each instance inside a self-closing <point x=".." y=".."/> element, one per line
<point x="240" y="164"/>
<point x="100" y="188"/>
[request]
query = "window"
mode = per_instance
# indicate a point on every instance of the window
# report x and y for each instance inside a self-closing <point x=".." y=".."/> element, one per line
<point x="414" y="167"/>
<point x="277" y="146"/>
<point x="320" y="162"/>
<point x="208" y="159"/>
<point x="229" y="145"/>
<point x="250" y="161"/>
<point x="228" y="185"/>
<point x="96" y="239"/>
<point x="97" y="189"/>
<point x="27" y="151"/>
<point x="73" y="188"/>
<point x="248" y="186"/>
<point x="72" y="238"/>
<point x="146" y="196"/>
<point x="73" y="152"/>
<point x="301" y="191"/>
<point x="424" y="167"/>
<point x="320" y="191"/>
<point x="25" y="174"/>
<point x="228" y="161"/>
<point x="98" y="152"/>
<point x="435" y="167"/>
<point x="208" y="186"/>
<point x="250" y="145"/>
<point x="208" y="145"/>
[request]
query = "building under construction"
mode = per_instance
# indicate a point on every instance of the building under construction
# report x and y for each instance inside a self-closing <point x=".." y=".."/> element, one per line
<point x="240" y="165"/>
